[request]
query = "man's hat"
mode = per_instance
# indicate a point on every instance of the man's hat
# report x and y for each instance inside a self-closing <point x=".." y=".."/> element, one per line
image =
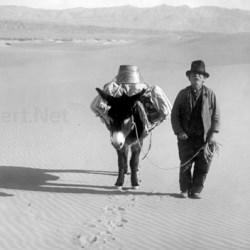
<point x="129" y="74"/>
<point x="199" y="67"/>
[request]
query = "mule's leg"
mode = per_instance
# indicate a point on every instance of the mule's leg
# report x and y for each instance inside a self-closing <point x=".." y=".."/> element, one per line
<point x="122" y="165"/>
<point x="134" y="163"/>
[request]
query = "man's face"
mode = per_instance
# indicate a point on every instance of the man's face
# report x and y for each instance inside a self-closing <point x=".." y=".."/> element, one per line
<point x="197" y="79"/>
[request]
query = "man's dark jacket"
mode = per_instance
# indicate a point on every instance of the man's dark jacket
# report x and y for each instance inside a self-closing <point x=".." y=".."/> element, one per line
<point x="182" y="110"/>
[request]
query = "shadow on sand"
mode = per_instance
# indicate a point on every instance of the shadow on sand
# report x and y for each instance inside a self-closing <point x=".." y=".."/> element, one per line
<point x="31" y="179"/>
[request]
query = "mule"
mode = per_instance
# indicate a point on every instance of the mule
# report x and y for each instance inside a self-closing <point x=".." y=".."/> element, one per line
<point x="127" y="132"/>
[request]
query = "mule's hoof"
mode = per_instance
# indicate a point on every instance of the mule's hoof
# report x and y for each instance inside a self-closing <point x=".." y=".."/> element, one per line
<point x="135" y="187"/>
<point x="119" y="188"/>
<point x="119" y="183"/>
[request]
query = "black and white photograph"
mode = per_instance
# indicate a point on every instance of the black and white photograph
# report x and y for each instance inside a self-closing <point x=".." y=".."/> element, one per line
<point x="124" y="124"/>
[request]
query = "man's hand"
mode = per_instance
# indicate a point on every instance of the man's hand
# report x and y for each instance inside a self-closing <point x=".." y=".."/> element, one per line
<point x="182" y="136"/>
<point x="212" y="137"/>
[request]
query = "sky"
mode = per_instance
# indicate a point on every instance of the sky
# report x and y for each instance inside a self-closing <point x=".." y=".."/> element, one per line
<point x="66" y="4"/>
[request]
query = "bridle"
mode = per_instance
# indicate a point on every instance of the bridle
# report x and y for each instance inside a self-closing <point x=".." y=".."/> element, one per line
<point x="131" y="127"/>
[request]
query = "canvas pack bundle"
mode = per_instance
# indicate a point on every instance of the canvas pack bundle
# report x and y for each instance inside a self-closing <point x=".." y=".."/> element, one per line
<point x="156" y="104"/>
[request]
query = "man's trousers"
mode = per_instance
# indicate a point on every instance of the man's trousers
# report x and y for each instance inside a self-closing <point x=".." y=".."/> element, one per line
<point x="192" y="181"/>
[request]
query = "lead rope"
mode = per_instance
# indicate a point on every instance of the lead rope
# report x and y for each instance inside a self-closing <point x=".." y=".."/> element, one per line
<point x="210" y="149"/>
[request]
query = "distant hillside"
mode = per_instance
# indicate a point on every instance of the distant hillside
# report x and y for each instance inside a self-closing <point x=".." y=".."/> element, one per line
<point x="126" y="20"/>
<point x="46" y="30"/>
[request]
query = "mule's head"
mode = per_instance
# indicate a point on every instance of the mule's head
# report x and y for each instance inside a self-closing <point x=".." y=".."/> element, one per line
<point x="121" y="116"/>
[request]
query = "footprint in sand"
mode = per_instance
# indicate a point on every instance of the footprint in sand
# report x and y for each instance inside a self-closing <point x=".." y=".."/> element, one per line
<point x="113" y="218"/>
<point x="87" y="242"/>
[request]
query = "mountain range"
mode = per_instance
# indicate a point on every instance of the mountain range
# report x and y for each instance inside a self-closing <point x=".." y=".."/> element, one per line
<point x="125" y="19"/>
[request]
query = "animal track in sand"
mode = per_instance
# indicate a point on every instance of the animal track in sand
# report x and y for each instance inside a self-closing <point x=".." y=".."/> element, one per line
<point x="102" y="230"/>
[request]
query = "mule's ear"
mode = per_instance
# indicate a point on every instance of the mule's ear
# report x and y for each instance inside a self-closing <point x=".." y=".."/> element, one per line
<point x="101" y="93"/>
<point x="137" y="97"/>
<point x="105" y="96"/>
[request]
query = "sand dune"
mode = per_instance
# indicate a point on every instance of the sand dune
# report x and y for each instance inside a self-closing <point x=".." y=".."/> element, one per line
<point x="58" y="168"/>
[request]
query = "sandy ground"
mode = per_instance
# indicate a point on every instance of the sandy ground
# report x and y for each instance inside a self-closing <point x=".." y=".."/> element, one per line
<point x="57" y="167"/>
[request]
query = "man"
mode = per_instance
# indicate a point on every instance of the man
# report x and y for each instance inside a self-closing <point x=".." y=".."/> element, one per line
<point x="196" y="121"/>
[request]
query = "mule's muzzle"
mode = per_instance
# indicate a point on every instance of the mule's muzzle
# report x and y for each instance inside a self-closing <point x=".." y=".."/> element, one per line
<point x="117" y="140"/>
<point x="117" y="146"/>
